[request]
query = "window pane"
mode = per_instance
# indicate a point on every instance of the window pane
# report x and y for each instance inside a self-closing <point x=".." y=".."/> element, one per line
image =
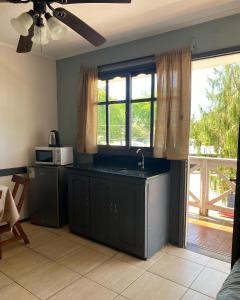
<point x="101" y="132"/>
<point x="117" y="124"/>
<point x="140" y="124"/>
<point x="102" y="91"/>
<point x="141" y="86"/>
<point x="117" y="89"/>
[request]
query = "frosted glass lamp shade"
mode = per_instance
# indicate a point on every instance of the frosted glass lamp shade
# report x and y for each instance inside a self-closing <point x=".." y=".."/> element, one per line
<point x="22" y="24"/>
<point x="57" y="30"/>
<point x="40" y="35"/>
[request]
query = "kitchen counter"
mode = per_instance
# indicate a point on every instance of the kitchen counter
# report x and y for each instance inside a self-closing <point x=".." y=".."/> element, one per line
<point x="118" y="170"/>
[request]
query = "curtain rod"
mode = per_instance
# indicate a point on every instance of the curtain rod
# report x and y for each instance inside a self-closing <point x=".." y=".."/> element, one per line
<point x="126" y="61"/>
<point x="218" y="52"/>
<point x="197" y="56"/>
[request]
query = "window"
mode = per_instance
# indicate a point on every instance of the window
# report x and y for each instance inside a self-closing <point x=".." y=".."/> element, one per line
<point x="126" y="110"/>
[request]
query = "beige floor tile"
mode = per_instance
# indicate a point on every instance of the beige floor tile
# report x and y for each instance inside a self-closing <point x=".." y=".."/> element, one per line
<point x="189" y="255"/>
<point x="100" y="248"/>
<point x="59" y="231"/>
<point x="115" y="274"/>
<point x="120" y="298"/>
<point x="16" y="292"/>
<point x="57" y="248"/>
<point x="4" y="281"/>
<point x="152" y="287"/>
<point x="15" y="266"/>
<point x="78" y="239"/>
<point x="7" y="235"/>
<point x="209" y="282"/>
<point x="219" y="265"/>
<point x="180" y="270"/>
<point x="29" y="227"/>
<point x="145" y="264"/>
<point x="12" y="249"/>
<point x="47" y="279"/>
<point x="40" y="236"/>
<point x="83" y="260"/>
<point x="192" y="295"/>
<point x="84" y="289"/>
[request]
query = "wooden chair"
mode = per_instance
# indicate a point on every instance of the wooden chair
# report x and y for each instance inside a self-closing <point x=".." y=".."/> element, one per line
<point x="17" y="230"/>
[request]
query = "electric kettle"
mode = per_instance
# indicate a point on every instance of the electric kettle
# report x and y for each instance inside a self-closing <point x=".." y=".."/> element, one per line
<point x="53" y="140"/>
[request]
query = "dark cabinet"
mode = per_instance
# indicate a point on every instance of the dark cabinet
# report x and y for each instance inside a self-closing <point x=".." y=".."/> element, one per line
<point x="117" y="214"/>
<point x="79" y="205"/>
<point x="126" y="213"/>
<point x="48" y="195"/>
<point x="129" y="209"/>
<point x="103" y="218"/>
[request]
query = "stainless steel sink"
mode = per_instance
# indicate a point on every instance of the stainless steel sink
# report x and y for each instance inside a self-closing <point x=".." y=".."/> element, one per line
<point x="138" y="173"/>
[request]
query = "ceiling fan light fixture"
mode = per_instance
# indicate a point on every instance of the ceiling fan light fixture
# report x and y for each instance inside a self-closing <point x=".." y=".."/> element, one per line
<point x="40" y="35"/>
<point x="22" y="23"/>
<point x="57" y="30"/>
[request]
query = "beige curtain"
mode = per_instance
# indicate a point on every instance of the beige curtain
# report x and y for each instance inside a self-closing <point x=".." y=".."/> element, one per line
<point x="87" y="112"/>
<point x="173" y="104"/>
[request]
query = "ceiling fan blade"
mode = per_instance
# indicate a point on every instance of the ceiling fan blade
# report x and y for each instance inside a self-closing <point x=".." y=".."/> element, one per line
<point x="25" y="42"/>
<point x="79" y="26"/>
<point x="11" y="1"/>
<point x="93" y="1"/>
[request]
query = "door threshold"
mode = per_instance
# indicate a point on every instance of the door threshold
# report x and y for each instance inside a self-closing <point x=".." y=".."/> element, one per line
<point x="208" y="252"/>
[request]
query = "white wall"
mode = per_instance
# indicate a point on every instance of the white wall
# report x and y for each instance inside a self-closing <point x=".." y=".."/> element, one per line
<point x="28" y="108"/>
<point x="28" y="105"/>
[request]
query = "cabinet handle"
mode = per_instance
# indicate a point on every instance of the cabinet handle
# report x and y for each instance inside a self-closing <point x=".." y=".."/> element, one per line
<point x="87" y="204"/>
<point x="115" y="207"/>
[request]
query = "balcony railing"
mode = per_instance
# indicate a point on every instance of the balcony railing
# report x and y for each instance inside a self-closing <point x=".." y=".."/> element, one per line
<point x="204" y="167"/>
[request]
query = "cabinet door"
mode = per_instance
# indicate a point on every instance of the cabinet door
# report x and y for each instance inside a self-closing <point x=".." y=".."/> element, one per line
<point x="102" y="211"/>
<point x="43" y="197"/>
<point x="130" y="220"/>
<point x="79" y="205"/>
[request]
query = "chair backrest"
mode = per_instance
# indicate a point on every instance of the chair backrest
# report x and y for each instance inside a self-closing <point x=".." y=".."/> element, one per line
<point x="20" y="181"/>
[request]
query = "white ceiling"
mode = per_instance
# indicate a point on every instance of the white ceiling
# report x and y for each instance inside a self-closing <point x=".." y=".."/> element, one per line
<point x="120" y="23"/>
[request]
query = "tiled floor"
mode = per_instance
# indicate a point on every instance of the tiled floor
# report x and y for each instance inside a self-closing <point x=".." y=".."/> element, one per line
<point x="60" y="265"/>
<point x="210" y="234"/>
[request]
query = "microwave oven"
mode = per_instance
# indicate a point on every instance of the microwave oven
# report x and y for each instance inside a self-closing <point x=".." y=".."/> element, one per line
<point x="54" y="155"/>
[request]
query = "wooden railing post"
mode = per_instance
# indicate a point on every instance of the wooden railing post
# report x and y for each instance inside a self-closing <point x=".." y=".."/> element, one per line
<point x="208" y="165"/>
<point x="204" y="187"/>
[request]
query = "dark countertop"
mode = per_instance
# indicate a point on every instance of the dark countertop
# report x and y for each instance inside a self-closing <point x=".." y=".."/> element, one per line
<point x="117" y="170"/>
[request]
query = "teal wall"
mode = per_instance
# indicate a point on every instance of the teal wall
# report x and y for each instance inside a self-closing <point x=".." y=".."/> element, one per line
<point x="212" y="35"/>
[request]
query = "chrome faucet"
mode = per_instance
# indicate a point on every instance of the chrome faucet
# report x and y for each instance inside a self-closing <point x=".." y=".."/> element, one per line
<point x="141" y="163"/>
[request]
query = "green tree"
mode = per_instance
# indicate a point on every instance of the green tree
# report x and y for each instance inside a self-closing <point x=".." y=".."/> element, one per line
<point x="218" y="123"/>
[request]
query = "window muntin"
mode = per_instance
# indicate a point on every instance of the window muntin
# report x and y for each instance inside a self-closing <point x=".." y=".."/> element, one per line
<point x="129" y="110"/>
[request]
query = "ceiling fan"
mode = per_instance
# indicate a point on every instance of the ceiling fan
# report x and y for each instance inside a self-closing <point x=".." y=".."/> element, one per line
<point x="30" y="25"/>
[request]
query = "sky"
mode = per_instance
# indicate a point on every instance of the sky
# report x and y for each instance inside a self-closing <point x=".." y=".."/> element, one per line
<point x="199" y="86"/>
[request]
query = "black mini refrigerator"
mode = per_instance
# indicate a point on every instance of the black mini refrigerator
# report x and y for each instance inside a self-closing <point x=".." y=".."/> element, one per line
<point x="48" y="196"/>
